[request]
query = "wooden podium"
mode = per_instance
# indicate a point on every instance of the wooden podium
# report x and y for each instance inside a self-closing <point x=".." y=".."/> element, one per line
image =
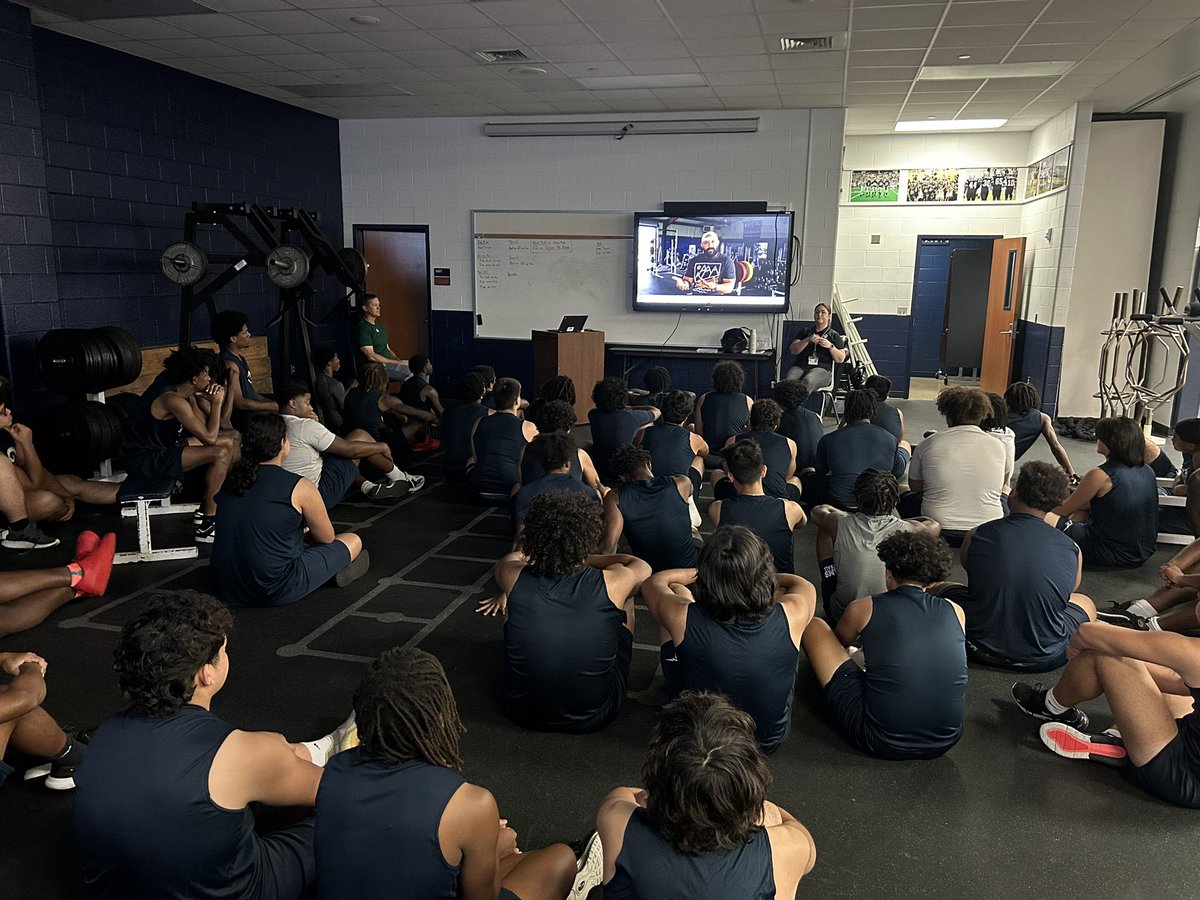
<point x="579" y="354"/>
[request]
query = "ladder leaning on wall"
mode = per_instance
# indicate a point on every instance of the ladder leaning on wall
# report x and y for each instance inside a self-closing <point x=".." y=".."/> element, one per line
<point x="856" y="344"/>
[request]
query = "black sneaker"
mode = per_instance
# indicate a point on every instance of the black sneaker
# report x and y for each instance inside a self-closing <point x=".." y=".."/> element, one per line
<point x="1073" y="743"/>
<point x="28" y="538"/>
<point x="387" y="490"/>
<point x="1114" y="615"/>
<point x="206" y="531"/>
<point x="1032" y="700"/>
<point x="63" y="766"/>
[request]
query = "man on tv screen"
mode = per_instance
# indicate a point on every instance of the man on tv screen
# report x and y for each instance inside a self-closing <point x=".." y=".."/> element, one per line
<point x="710" y="271"/>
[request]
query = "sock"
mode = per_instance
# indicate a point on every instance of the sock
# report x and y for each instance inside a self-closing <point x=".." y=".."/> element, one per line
<point x="18" y="524"/>
<point x="1143" y="608"/>
<point x="1152" y="624"/>
<point x="1112" y="732"/>
<point x="76" y="571"/>
<point x="319" y="749"/>
<point x="366" y="487"/>
<point x="395" y="474"/>
<point x="1052" y="705"/>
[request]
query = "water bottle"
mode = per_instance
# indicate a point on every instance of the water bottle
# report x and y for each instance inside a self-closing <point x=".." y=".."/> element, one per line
<point x="753" y="340"/>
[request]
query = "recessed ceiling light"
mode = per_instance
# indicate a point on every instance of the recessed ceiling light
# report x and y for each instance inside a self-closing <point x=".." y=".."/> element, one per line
<point x="364" y="20"/>
<point x="951" y="125"/>
<point x="964" y="56"/>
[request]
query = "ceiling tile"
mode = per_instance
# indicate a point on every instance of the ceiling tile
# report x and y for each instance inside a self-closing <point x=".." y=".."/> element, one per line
<point x="742" y="46"/>
<point x="263" y="44"/>
<point x="1128" y="49"/>
<point x="240" y="6"/>
<point x="86" y="32"/>
<point x="978" y="36"/>
<point x="576" y="53"/>
<point x="554" y="34"/>
<point x="1153" y="29"/>
<point x="662" y="66"/>
<point x="373" y="59"/>
<point x="958" y="86"/>
<point x="247" y="64"/>
<point x="337" y="40"/>
<point x="1075" y="32"/>
<point x="293" y="21"/>
<point x="808" y="59"/>
<point x="1016" y="85"/>
<point x="926" y="16"/>
<point x="860" y="58"/>
<point x="806" y="20"/>
<point x="527" y="12"/>
<point x="980" y="56"/>
<point x="882" y="73"/>
<point x="706" y="9"/>
<point x="304" y="62"/>
<point x="1049" y="52"/>
<point x="472" y="39"/>
<point x="446" y="56"/>
<point x="891" y="39"/>
<point x="1168" y="9"/>
<point x="143" y="49"/>
<point x="652" y="104"/>
<point x="729" y="79"/>
<point x="646" y="49"/>
<point x="759" y="63"/>
<point x="694" y="29"/>
<point x="445" y="15"/>
<point x="1088" y="10"/>
<point x="593" y="69"/>
<point x="389" y="20"/>
<point x="877" y="88"/>
<point x="800" y="76"/>
<point x="647" y="30"/>
<point x="989" y="12"/>
<point x="144" y="29"/>
<point x="214" y="25"/>
<point x="199" y="48"/>
<point x="402" y="40"/>
<point x="593" y="11"/>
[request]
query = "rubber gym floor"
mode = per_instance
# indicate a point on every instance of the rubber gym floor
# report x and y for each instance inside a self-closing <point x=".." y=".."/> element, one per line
<point x="997" y="816"/>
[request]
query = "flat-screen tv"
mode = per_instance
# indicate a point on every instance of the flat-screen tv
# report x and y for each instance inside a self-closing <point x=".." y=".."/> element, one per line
<point x="712" y="263"/>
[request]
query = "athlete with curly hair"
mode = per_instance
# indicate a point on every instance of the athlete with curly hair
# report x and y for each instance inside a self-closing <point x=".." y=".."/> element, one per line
<point x="910" y="700"/>
<point x="568" y="618"/>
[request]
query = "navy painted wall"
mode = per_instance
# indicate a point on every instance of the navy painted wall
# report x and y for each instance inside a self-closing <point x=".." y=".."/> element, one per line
<point x="1038" y="359"/>
<point x="28" y="291"/>
<point x="128" y="145"/>
<point x="932" y="281"/>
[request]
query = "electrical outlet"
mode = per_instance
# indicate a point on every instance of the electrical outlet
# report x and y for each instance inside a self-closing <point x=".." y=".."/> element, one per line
<point x="876" y="239"/>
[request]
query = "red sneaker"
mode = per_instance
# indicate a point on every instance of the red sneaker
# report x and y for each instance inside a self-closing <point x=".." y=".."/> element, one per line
<point x="97" y="567"/>
<point x="430" y="443"/>
<point x="86" y="544"/>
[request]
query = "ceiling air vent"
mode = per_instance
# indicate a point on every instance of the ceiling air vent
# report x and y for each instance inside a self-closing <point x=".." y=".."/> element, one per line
<point x="501" y="56"/>
<point x="807" y="43"/>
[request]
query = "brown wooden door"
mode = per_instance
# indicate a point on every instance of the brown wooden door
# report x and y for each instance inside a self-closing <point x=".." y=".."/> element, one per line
<point x="398" y="271"/>
<point x="1003" y="309"/>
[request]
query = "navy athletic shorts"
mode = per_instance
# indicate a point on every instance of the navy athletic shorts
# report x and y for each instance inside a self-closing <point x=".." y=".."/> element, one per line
<point x="1174" y="774"/>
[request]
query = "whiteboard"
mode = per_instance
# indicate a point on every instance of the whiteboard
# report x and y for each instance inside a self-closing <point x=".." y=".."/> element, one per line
<point x="531" y="268"/>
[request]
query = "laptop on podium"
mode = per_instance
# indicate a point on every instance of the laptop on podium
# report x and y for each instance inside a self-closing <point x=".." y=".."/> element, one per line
<point x="572" y="324"/>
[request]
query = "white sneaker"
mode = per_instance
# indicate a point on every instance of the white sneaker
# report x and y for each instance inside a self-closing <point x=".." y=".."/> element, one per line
<point x="590" y="869"/>
<point x="344" y="736"/>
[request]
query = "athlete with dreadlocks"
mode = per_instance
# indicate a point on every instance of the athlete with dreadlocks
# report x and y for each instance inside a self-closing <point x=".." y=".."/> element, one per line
<point x="568" y="629"/>
<point x="259" y="557"/>
<point x="396" y="818"/>
<point x="701" y="826"/>
<point x="847" y="542"/>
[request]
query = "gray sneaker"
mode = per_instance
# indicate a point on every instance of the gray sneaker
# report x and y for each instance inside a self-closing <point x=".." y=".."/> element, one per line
<point x="28" y="538"/>
<point x="414" y="482"/>
<point x="387" y="490"/>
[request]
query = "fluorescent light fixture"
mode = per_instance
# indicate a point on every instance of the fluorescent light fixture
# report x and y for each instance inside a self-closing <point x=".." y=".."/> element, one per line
<point x="621" y="127"/>
<point x="950" y="125"/>
<point x="626" y="82"/>
<point x="1003" y="70"/>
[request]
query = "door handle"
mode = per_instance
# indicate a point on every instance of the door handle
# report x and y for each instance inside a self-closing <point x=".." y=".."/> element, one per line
<point x="1010" y="331"/>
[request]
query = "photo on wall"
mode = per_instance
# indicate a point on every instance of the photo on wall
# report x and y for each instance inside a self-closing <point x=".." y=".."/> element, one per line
<point x="875" y="186"/>
<point x="998" y="183"/>
<point x="932" y="185"/>
<point x="1050" y="173"/>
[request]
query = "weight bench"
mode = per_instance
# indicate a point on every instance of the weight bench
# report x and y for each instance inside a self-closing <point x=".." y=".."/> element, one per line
<point x="145" y="499"/>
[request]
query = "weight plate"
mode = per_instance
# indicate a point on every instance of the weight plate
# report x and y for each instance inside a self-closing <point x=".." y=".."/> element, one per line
<point x="287" y="266"/>
<point x="129" y="355"/>
<point x="183" y="262"/>
<point x="62" y="361"/>
<point x="122" y="405"/>
<point x="355" y="265"/>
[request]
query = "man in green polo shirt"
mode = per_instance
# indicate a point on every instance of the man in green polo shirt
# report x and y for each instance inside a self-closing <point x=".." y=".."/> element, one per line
<point x="372" y="342"/>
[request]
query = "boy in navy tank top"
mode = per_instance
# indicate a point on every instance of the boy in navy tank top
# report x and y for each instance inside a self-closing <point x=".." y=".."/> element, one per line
<point x="395" y="817"/>
<point x="725" y="410"/>
<point x="652" y="511"/>
<point x="1022" y="574"/>
<point x="910" y="700"/>
<point x="1152" y="685"/>
<point x="772" y="519"/>
<point x="163" y="797"/>
<point x="779" y="454"/>
<point x="568" y="618"/>
<point x="701" y="826"/>
<point x="231" y="332"/>
<point x="732" y="626"/>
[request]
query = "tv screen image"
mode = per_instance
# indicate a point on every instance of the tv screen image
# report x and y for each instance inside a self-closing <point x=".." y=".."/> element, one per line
<point x="716" y="263"/>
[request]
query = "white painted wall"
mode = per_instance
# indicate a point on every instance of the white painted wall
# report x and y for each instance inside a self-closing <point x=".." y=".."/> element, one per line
<point x="881" y="275"/>
<point x="436" y="171"/>
<point x="1112" y="252"/>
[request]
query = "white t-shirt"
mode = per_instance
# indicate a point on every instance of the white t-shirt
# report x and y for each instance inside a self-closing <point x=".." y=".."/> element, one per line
<point x="962" y="469"/>
<point x="309" y="439"/>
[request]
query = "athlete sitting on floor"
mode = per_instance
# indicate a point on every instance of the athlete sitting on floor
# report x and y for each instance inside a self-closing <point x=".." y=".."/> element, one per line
<point x="614" y="422"/>
<point x="779" y="454"/>
<point x="846" y="453"/>
<point x="396" y="818"/>
<point x="259" y="557"/>
<point x="331" y="462"/>
<point x="725" y="410"/>
<point x="383" y="416"/>
<point x="1173" y="607"/>
<point x="558" y="416"/>
<point x="29" y="729"/>
<point x="556" y="454"/>
<point x="1151" y="682"/>
<point x="732" y="626"/>
<point x="457" y="424"/>
<point x="701" y="825"/>
<point x="1022" y="574"/>
<point x="848" y="543"/>
<point x="801" y="425"/>
<point x="909" y="703"/>
<point x="568" y="618"/>
<point x="417" y="392"/>
<point x="496" y="444"/>
<point x="652" y="511"/>
<point x="162" y="807"/>
<point x="27" y="596"/>
<point x="231" y="333"/>
<point x="771" y="518"/>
